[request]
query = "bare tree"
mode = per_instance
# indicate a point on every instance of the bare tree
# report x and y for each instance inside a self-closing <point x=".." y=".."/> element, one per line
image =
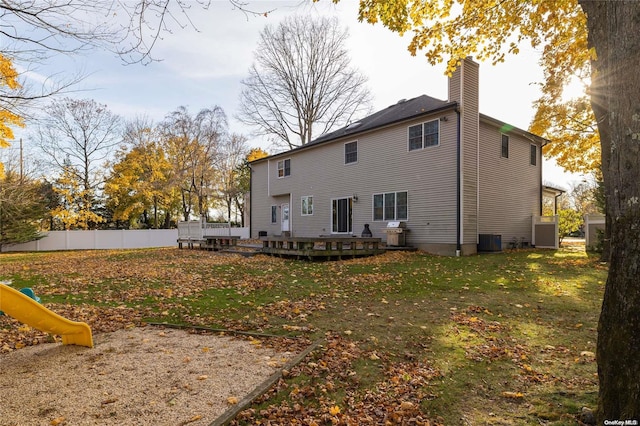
<point x="192" y="145"/>
<point x="77" y="136"/>
<point x="32" y="32"/>
<point x="35" y="30"/>
<point x="232" y="154"/>
<point x="583" y="196"/>
<point x="302" y="83"/>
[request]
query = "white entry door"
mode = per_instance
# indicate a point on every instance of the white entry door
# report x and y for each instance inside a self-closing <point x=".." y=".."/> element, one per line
<point x="285" y="217"/>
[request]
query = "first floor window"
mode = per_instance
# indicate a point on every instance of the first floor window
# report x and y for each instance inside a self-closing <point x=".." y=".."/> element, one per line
<point x="307" y="205"/>
<point x="284" y="168"/>
<point x="390" y="206"/>
<point x="274" y="214"/>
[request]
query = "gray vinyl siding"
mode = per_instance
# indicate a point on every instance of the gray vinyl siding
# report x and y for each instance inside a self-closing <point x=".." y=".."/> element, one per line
<point x="261" y="202"/>
<point x="509" y="187"/>
<point x="384" y="165"/>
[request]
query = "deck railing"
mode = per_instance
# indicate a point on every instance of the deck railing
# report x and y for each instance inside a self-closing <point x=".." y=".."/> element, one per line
<point x="321" y="247"/>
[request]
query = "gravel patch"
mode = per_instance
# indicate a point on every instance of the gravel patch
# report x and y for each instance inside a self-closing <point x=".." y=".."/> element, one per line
<point x="137" y="376"/>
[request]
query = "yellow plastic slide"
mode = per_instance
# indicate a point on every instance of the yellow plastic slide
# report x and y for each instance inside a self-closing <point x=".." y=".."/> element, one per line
<point x="26" y="310"/>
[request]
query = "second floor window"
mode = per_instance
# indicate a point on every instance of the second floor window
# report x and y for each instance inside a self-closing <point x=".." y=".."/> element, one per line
<point x="351" y="152"/>
<point x="424" y="135"/>
<point x="534" y="155"/>
<point x="505" y="146"/>
<point x="284" y="168"/>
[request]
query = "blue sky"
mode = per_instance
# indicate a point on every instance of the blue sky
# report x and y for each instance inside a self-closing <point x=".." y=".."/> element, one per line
<point x="203" y="66"/>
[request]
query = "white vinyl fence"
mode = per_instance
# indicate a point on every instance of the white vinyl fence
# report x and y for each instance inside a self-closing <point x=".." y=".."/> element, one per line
<point x="113" y="239"/>
<point x="593" y="223"/>
<point x="96" y="240"/>
<point x="545" y="232"/>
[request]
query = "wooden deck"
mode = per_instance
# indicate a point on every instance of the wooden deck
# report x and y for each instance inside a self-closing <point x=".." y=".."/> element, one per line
<point x="210" y="242"/>
<point x="321" y="247"/>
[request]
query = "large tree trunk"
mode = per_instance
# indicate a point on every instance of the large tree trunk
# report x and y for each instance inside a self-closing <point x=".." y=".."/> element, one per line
<point x="615" y="35"/>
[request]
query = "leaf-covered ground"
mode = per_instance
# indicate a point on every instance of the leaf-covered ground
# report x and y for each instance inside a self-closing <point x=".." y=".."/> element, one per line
<point x="408" y="338"/>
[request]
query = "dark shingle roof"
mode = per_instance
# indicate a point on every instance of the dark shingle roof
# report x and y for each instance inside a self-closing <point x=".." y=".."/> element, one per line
<point x="403" y="110"/>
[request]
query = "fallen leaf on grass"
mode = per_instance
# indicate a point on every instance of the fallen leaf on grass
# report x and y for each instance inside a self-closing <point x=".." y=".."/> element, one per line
<point x="406" y="405"/>
<point x="513" y="395"/>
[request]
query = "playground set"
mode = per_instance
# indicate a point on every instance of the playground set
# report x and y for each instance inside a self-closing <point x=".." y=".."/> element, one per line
<point x="25" y="306"/>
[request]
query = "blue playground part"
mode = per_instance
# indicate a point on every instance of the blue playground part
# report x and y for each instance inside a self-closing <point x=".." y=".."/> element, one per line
<point x="27" y="292"/>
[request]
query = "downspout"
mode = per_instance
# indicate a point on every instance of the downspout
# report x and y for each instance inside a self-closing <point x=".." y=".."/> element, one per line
<point x="458" y="189"/>
<point x="555" y="203"/>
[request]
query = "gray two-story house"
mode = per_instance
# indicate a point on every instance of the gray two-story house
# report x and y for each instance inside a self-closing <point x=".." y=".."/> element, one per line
<point x="448" y="172"/>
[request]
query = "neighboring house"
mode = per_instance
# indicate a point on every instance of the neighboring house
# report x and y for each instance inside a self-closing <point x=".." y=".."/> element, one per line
<point x="552" y="194"/>
<point x="447" y="171"/>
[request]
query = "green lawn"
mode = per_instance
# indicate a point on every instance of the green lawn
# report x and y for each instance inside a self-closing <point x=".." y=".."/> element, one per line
<point x="499" y="339"/>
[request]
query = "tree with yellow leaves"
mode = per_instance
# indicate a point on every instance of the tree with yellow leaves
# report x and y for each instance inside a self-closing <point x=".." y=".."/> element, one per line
<point x="138" y="188"/>
<point x="192" y="144"/>
<point x="598" y="39"/>
<point x="8" y="81"/>
<point x="77" y="207"/>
